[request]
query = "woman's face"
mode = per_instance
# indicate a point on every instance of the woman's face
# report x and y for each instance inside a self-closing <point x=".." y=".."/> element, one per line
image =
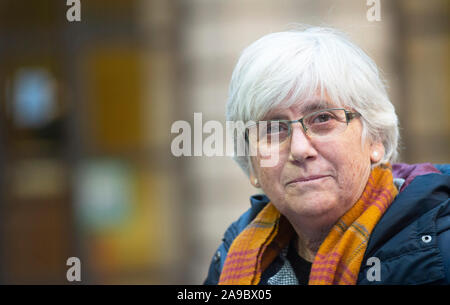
<point x="317" y="178"/>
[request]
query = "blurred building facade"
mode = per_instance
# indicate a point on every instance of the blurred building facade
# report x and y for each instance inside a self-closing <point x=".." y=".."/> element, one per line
<point x="86" y="110"/>
<point x="83" y="173"/>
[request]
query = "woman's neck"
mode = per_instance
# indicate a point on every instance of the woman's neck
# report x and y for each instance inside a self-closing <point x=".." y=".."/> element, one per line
<point x="309" y="240"/>
<point x="307" y="248"/>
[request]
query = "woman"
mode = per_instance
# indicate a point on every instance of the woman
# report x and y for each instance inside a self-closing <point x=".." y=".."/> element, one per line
<point x="332" y="211"/>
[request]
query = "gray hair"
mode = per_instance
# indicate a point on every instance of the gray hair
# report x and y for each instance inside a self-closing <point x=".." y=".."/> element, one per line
<point x="283" y="68"/>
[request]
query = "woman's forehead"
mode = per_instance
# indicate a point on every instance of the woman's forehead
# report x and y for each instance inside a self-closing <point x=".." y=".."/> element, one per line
<point x="299" y="108"/>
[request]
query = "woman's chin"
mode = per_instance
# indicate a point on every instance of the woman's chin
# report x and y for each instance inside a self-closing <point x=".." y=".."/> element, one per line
<point x="312" y="205"/>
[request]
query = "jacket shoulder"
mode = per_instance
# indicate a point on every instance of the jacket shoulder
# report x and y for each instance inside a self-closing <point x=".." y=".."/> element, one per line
<point x="412" y="238"/>
<point x="443" y="168"/>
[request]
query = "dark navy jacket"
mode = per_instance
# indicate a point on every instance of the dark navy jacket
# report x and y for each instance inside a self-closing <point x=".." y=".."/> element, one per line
<point x="411" y="240"/>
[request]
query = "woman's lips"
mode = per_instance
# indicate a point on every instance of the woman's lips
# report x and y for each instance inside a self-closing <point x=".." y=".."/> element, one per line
<point x="307" y="179"/>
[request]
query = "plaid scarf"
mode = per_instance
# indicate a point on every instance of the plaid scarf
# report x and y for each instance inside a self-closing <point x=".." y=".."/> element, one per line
<point x="339" y="257"/>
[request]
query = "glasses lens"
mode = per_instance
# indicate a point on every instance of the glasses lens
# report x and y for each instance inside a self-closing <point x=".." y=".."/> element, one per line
<point x="325" y="123"/>
<point x="267" y="135"/>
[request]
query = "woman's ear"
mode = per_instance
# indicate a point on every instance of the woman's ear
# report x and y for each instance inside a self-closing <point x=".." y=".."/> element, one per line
<point x="254" y="181"/>
<point x="376" y="152"/>
<point x="253" y="176"/>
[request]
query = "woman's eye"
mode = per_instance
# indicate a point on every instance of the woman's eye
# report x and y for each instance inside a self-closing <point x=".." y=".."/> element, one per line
<point x="322" y="118"/>
<point x="276" y="127"/>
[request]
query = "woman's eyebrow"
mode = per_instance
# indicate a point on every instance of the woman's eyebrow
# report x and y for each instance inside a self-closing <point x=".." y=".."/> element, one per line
<point x="304" y="109"/>
<point x="314" y="106"/>
<point x="276" y="117"/>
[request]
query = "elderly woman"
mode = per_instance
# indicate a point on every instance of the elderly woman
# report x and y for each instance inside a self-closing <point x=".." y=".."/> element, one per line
<point x="335" y="209"/>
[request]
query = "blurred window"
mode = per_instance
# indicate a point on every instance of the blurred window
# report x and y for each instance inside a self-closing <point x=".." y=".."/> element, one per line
<point x="34" y="98"/>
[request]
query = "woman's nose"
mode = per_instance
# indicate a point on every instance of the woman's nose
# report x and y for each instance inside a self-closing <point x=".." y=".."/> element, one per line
<point x="301" y="147"/>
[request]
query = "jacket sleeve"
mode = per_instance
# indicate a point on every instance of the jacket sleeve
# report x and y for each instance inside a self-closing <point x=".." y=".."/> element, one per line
<point x="443" y="227"/>
<point x="443" y="235"/>
<point x="218" y="260"/>
<point x="220" y="255"/>
<point x="215" y="267"/>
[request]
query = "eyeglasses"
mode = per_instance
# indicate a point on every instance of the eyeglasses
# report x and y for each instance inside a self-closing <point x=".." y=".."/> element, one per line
<point x="326" y="123"/>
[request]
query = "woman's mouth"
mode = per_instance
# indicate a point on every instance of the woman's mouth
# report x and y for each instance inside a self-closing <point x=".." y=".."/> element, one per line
<point x="306" y="179"/>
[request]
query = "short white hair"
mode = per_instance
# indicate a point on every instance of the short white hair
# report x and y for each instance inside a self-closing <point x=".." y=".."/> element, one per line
<point x="281" y="69"/>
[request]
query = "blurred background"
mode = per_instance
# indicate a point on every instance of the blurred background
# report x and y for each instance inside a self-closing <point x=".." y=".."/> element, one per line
<point x="86" y="110"/>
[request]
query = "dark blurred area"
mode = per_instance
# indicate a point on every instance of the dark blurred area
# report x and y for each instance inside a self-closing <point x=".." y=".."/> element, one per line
<point x="85" y="114"/>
